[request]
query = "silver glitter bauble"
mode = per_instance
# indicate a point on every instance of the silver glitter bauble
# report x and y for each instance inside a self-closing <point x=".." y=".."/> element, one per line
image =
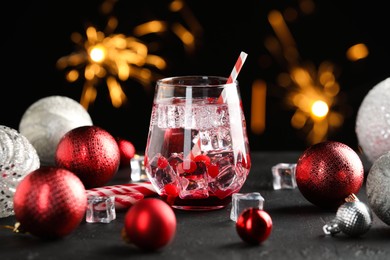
<point x="352" y="218"/>
<point x="378" y="187"/>
<point x="17" y="159"/>
<point x="373" y="121"/>
<point x="47" y="120"/>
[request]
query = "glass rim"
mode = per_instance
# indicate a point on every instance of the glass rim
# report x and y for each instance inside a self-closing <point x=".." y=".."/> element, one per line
<point x="173" y="81"/>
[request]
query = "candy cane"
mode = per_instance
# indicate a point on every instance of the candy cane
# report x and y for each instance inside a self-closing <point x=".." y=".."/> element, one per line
<point x="125" y="201"/>
<point x="122" y="201"/>
<point x="145" y="188"/>
<point x="125" y="194"/>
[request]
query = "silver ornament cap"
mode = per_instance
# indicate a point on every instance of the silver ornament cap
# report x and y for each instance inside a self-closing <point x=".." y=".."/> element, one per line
<point x="353" y="218"/>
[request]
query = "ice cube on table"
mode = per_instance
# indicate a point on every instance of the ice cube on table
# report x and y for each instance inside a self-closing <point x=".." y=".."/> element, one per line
<point x="242" y="201"/>
<point x="100" y="209"/>
<point x="284" y="176"/>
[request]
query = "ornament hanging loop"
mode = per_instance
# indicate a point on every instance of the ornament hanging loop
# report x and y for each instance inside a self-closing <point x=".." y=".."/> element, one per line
<point x="331" y="228"/>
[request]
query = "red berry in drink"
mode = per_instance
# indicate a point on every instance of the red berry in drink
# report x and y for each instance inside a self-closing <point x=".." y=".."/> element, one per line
<point x="162" y="162"/>
<point x="202" y="158"/>
<point x="187" y="166"/>
<point x="171" y="190"/>
<point x="213" y="170"/>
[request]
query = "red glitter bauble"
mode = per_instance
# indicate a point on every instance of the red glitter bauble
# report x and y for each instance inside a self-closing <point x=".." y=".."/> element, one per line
<point x="50" y="202"/>
<point x="91" y="153"/>
<point x="126" y="150"/>
<point x="328" y="172"/>
<point x="150" y="224"/>
<point x="254" y="225"/>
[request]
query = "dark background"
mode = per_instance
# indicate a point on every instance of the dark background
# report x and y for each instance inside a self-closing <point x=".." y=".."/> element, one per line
<point x="35" y="34"/>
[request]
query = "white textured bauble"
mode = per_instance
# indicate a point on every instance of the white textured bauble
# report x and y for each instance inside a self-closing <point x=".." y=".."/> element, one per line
<point x="17" y="159"/>
<point x="378" y="187"/>
<point x="47" y="120"/>
<point x="373" y="121"/>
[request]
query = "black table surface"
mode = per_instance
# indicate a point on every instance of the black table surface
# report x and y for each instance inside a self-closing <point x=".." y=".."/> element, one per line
<point x="296" y="233"/>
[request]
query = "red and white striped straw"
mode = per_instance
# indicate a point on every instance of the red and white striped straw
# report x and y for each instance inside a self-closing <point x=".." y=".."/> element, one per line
<point x="233" y="75"/>
<point x="237" y="67"/>
<point x="125" y="194"/>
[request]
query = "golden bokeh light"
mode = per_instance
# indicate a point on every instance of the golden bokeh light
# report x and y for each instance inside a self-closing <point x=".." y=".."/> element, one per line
<point x="258" y="104"/>
<point x="357" y="52"/>
<point x="150" y="27"/>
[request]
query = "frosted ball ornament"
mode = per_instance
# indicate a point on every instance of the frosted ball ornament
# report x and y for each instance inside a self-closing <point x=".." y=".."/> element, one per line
<point x="373" y="121"/>
<point x="47" y="120"/>
<point x="377" y="187"/>
<point x="17" y="159"/>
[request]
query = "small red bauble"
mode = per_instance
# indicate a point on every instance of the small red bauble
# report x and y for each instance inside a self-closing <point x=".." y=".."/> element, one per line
<point x="91" y="153"/>
<point x="50" y="202"/>
<point x="328" y="172"/>
<point x="126" y="150"/>
<point x="150" y="224"/>
<point x="254" y="225"/>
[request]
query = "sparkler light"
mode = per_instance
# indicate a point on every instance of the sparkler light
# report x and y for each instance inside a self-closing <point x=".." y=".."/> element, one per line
<point x="312" y="92"/>
<point x="113" y="58"/>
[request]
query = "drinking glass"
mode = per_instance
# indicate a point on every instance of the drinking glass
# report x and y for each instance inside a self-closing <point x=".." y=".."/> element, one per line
<point x="197" y="153"/>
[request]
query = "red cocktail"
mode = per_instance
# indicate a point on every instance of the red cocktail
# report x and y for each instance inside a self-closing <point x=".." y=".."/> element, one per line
<point x="197" y="152"/>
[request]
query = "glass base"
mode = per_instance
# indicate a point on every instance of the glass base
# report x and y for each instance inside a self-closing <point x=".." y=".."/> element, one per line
<point x="210" y="203"/>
